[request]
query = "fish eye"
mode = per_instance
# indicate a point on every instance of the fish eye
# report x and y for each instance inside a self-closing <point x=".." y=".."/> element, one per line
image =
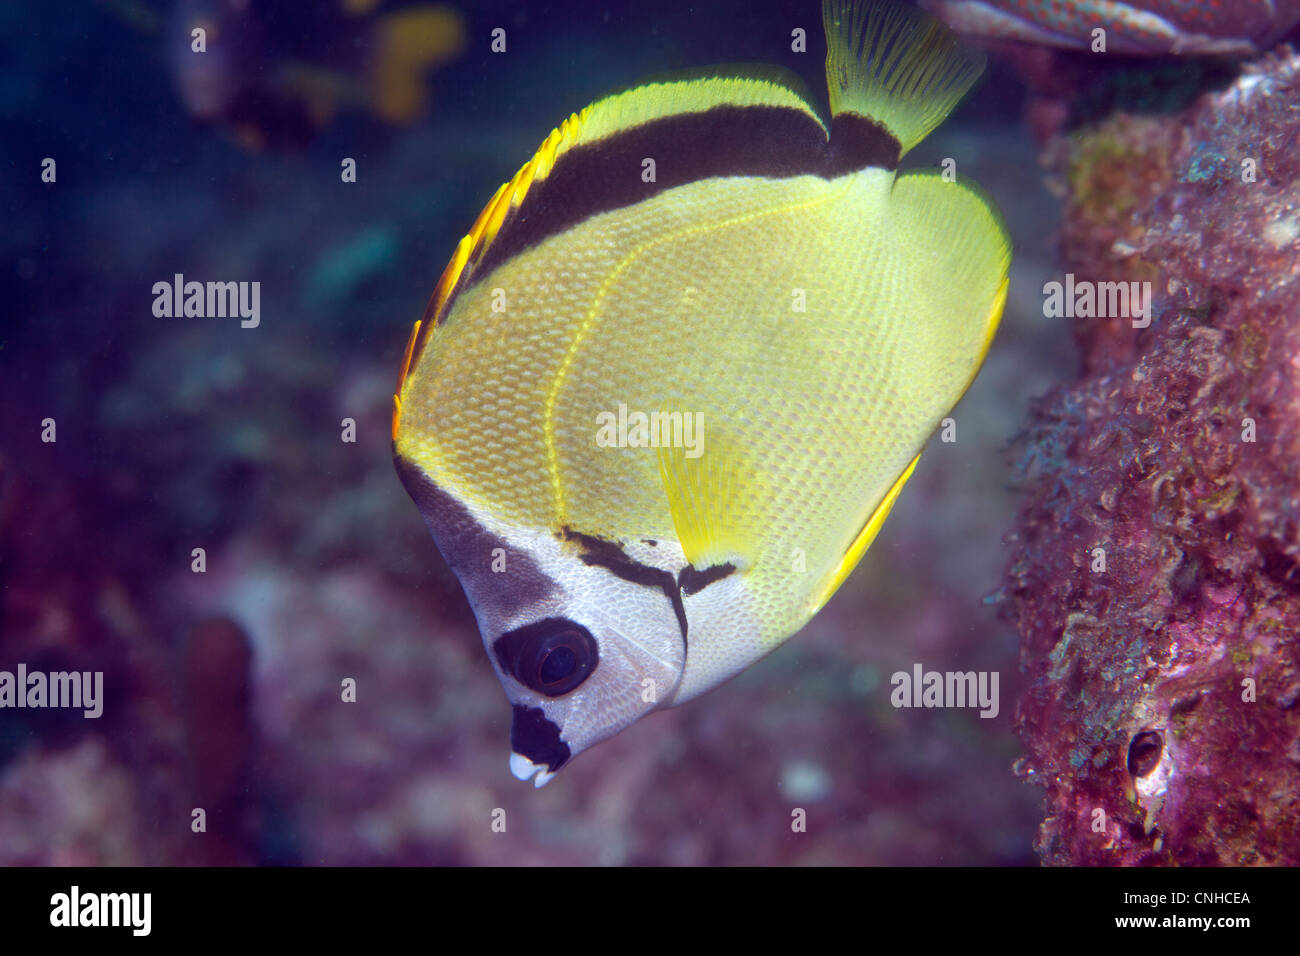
<point x="552" y="657"/>
<point x="558" y="664"/>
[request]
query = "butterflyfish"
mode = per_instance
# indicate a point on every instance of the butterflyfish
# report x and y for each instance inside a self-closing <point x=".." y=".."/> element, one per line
<point x="678" y="371"/>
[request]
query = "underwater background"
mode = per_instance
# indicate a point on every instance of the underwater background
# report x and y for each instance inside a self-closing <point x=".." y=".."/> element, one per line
<point x="222" y="686"/>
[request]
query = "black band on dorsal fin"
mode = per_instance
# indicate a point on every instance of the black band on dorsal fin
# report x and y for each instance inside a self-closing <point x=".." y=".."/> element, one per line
<point x="769" y="141"/>
<point x="858" y="142"/>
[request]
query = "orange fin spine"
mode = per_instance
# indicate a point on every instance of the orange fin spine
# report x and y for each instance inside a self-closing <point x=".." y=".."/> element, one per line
<point x="493" y="217"/>
<point x="401" y="378"/>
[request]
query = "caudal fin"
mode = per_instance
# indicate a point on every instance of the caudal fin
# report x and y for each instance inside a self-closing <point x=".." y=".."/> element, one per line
<point x="892" y="63"/>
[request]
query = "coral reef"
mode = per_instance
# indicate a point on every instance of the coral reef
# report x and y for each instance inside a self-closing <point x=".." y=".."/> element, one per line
<point x="78" y="790"/>
<point x="1155" y="578"/>
<point x="174" y="731"/>
<point x="220" y="738"/>
<point x="1152" y="27"/>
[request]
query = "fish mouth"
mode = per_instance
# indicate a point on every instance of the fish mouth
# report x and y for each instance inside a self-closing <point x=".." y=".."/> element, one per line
<point x="524" y="769"/>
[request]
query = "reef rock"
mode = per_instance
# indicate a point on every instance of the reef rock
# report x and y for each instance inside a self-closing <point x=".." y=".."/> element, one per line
<point x="1155" y="576"/>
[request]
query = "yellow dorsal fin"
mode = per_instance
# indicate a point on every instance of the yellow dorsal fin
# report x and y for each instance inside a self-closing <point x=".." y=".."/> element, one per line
<point x="676" y="94"/>
<point x="401" y="379"/>
<point x="489" y="222"/>
<point x="895" y="64"/>
<point x="671" y="95"/>
<point x="694" y="91"/>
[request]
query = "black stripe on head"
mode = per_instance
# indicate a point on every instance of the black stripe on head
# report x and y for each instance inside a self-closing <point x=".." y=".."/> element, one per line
<point x="535" y="737"/>
<point x="468" y="549"/>
<point x="769" y="141"/>
<point x="608" y="555"/>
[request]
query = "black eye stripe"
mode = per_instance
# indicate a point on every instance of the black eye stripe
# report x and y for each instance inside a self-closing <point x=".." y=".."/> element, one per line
<point x="552" y="656"/>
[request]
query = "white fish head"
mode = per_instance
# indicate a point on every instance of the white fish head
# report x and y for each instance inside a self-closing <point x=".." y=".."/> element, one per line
<point x="584" y="644"/>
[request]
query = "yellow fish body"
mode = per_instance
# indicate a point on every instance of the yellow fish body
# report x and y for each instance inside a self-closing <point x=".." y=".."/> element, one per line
<point x="675" y="376"/>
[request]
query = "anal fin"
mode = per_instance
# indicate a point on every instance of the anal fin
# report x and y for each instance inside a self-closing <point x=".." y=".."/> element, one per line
<point x="863" y="541"/>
